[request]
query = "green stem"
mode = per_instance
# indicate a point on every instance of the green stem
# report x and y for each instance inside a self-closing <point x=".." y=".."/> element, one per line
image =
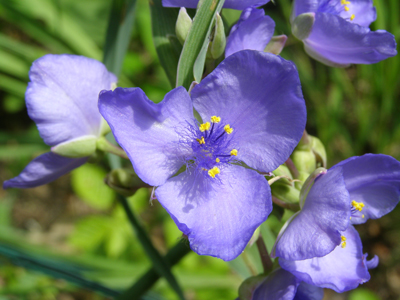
<point x="149" y="278"/>
<point x="292" y="206"/>
<point x="160" y="265"/>
<point x="104" y="145"/>
<point x="265" y="258"/>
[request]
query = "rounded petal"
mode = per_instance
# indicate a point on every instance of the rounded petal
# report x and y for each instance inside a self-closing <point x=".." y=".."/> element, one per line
<point x="44" y="169"/>
<point x="149" y="133"/>
<point x="234" y="4"/>
<point x="374" y="180"/>
<point x="341" y="270"/>
<point x="262" y="102"/>
<point x="253" y="31"/>
<point x="337" y="42"/>
<point x="315" y="230"/>
<point x="279" y="285"/>
<point x="307" y="291"/>
<point x="62" y="96"/>
<point x="219" y="215"/>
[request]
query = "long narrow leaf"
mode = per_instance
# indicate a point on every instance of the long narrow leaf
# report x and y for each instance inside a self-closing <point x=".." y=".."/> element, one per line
<point x="197" y="37"/>
<point x="119" y="30"/>
<point x="167" y="45"/>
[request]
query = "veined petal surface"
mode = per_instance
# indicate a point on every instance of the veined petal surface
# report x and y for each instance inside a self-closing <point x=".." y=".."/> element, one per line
<point x="44" y="169"/>
<point x="338" y="42"/>
<point x="315" y="230"/>
<point x="253" y="31"/>
<point x="374" y="181"/>
<point x="234" y="4"/>
<point x="307" y="291"/>
<point x="62" y="96"/>
<point x="219" y="215"/>
<point x="341" y="270"/>
<point x="151" y="134"/>
<point x="259" y="95"/>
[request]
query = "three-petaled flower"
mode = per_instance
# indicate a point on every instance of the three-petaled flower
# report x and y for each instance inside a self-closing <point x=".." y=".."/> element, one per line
<point x="253" y="112"/>
<point x="318" y="244"/>
<point x="335" y="32"/>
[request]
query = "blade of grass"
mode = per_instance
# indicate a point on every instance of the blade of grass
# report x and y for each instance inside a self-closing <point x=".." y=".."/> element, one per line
<point x="198" y="35"/>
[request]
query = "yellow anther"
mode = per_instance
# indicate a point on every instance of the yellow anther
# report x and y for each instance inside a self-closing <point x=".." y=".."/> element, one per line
<point x="201" y="141"/>
<point x="228" y="129"/>
<point x="352" y="17"/>
<point x="234" y="152"/>
<point x="343" y="244"/>
<point x="363" y="216"/>
<point x="357" y="205"/>
<point x="217" y="159"/>
<point x="214" y="171"/>
<point x="205" y="126"/>
<point x="215" y="119"/>
<point x="346" y="8"/>
<point x="344" y="2"/>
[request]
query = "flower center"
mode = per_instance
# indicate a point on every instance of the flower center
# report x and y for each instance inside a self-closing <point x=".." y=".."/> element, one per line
<point x="337" y="7"/>
<point x="212" y="147"/>
<point x="356" y="208"/>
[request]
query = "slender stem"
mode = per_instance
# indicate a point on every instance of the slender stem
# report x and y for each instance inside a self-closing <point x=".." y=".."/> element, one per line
<point x="148" y="279"/>
<point x="265" y="258"/>
<point x="249" y="265"/>
<point x="292" y="206"/>
<point x="104" y="145"/>
<point x="292" y="168"/>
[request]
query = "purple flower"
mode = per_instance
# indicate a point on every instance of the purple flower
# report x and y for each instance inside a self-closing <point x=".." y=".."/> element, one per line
<point x="282" y="285"/>
<point x="340" y="35"/>
<point x="62" y="100"/>
<point x="341" y="270"/>
<point x="234" y="4"/>
<point x="350" y="192"/>
<point x="253" y="31"/>
<point x="252" y="111"/>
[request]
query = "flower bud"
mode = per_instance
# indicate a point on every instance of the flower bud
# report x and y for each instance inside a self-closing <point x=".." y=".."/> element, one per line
<point x="124" y="181"/>
<point x="304" y="160"/>
<point x="302" y="25"/>
<point x="319" y="150"/>
<point x="218" y="42"/>
<point x="276" y="44"/>
<point x="79" y="147"/>
<point x="183" y="25"/>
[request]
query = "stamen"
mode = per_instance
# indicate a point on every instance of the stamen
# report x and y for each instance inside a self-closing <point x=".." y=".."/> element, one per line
<point x="346" y="8"/>
<point x="217" y="160"/>
<point x="201" y="141"/>
<point x="352" y="17"/>
<point x="214" y="171"/>
<point x="228" y="129"/>
<point x="343" y="244"/>
<point x="357" y="205"/>
<point x="205" y="126"/>
<point x="234" y="152"/>
<point x="215" y="119"/>
<point x="344" y="2"/>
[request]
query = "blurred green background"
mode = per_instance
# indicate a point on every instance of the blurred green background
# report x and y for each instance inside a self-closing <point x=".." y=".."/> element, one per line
<point x="77" y="219"/>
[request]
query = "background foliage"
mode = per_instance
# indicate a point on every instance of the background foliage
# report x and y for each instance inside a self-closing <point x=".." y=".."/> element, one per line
<point x="77" y="219"/>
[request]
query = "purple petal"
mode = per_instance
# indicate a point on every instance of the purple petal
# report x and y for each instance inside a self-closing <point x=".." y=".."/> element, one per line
<point x="335" y="41"/>
<point x="307" y="291"/>
<point x="304" y="6"/>
<point x="279" y="285"/>
<point x="44" y="169"/>
<point x="374" y="180"/>
<point x="373" y="262"/>
<point x="62" y="96"/>
<point x="341" y="270"/>
<point x="363" y="10"/>
<point x="315" y="230"/>
<point x="253" y="31"/>
<point x="219" y="215"/>
<point x="259" y="95"/>
<point x="234" y="4"/>
<point x="149" y="133"/>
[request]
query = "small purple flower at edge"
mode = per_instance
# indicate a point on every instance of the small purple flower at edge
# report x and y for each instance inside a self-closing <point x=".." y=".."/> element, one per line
<point x="252" y="111"/>
<point x="234" y="4"/>
<point x="318" y="244"/>
<point x="253" y="31"/>
<point x="61" y="99"/>
<point x="340" y="33"/>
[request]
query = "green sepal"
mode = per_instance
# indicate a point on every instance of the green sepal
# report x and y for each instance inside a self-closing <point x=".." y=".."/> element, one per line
<point x="248" y="286"/>
<point x="302" y="25"/>
<point x="79" y="147"/>
<point x="183" y="25"/>
<point x="276" y="44"/>
<point x="304" y="160"/>
<point x="319" y="150"/>
<point x="218" y="43"/>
